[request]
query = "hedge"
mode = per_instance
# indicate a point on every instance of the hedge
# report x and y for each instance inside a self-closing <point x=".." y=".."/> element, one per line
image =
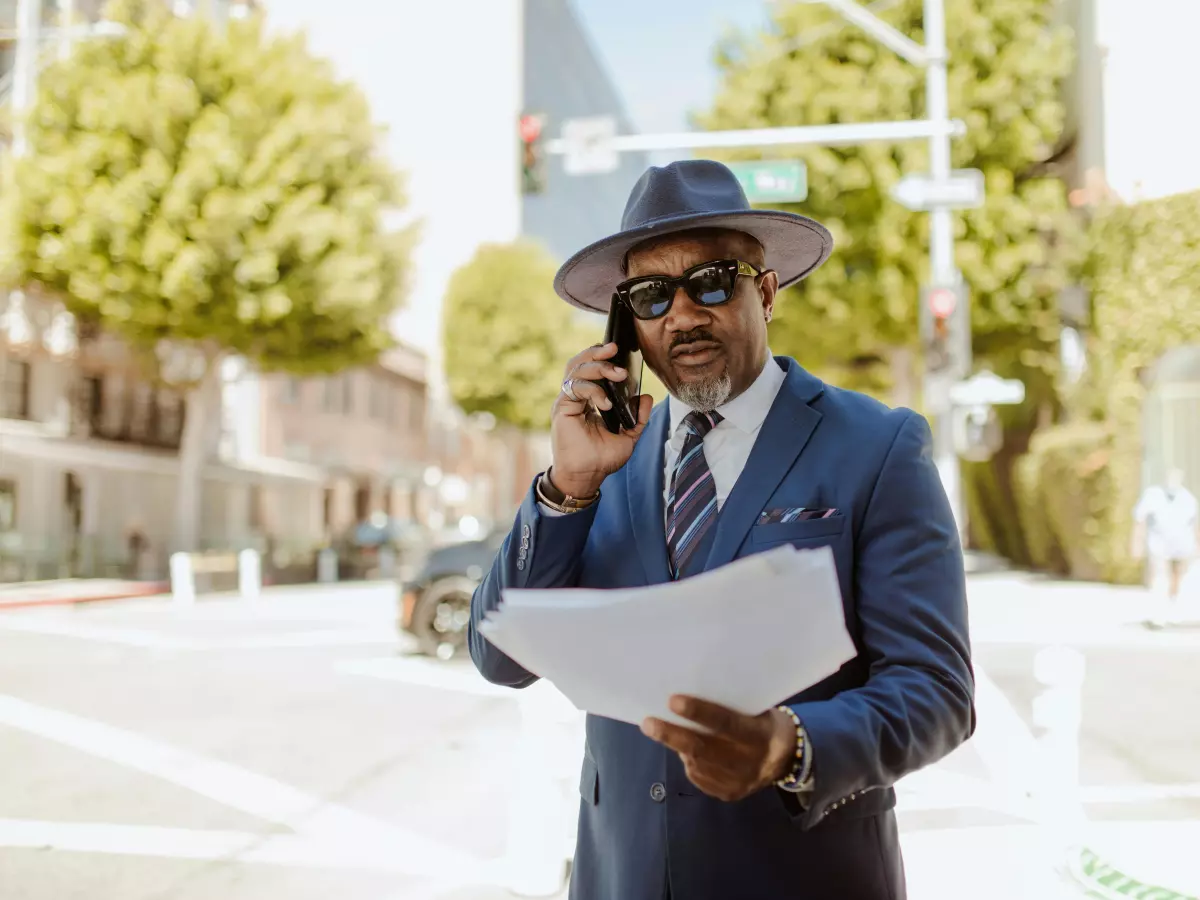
<point x="1078" y="484"/>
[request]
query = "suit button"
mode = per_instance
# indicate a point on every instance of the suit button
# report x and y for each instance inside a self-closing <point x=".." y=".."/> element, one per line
<point x="525" y="531"/>
<point x="658" y="793"/>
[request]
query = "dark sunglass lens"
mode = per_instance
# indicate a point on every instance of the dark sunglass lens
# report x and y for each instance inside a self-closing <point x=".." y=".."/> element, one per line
<point x="711" y="284"/>
<point x="650" y="298"/>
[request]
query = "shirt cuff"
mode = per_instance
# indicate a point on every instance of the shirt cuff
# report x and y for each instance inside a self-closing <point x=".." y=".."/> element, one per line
<point x="550" y="512"/>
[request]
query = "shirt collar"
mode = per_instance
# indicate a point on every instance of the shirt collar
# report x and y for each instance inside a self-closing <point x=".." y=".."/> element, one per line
<point x="748" y="410"/>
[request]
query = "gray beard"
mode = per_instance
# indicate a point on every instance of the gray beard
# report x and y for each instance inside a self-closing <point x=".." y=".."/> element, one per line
<point x="707" y="395"/>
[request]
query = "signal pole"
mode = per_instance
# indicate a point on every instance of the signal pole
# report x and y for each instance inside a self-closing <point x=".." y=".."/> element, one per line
<point x="944" y="275"/>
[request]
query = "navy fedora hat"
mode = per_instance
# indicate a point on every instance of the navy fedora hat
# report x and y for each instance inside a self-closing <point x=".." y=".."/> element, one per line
<point x="692" y="193"/>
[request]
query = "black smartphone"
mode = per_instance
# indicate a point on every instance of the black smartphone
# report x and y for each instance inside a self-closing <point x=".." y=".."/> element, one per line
<point x="623" y="395"/>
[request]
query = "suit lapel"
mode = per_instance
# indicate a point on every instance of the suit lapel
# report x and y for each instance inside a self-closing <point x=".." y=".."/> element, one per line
<point x="784" y="434"/>
<point x="645" y="487"/>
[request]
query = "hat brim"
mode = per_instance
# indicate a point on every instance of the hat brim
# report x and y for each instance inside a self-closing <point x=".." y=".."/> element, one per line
<point x="795" y="247"/>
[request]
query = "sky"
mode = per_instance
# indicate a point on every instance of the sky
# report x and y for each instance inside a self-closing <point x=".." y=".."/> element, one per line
<point x="659" y="52"/>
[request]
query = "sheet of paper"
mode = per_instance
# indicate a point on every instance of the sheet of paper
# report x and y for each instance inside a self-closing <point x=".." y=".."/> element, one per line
<point x="748" y="635"/>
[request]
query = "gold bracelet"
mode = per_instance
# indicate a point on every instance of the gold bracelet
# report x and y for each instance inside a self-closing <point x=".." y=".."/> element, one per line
<point x="796" y="777"/>
<point x="559" y="499"/>
<point x="578" y="506"/>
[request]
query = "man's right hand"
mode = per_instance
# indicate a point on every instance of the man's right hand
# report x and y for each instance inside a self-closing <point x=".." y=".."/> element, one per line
<point x="584" y="450"/>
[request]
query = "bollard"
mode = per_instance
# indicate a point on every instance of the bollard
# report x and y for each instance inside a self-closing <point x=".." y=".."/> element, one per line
<point x="1058" y="710"/>
<point x="183" y="579"/>
<point x="249" y="575"/>
<point x="534" y="856"/>
<point x="327" y="566"/>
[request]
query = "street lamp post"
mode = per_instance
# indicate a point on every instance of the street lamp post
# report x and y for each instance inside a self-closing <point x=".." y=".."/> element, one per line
<point x="25" y="67"/>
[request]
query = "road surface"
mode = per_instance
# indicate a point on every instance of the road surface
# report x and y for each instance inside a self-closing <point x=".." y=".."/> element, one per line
<point x="293" y="749"/>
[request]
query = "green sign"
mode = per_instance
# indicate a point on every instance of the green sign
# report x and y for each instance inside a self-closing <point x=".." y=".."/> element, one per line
<point x="772" y="180"/>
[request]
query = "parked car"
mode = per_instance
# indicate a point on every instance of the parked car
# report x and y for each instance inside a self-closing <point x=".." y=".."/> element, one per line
<point x="359" y="547"/>
<point x="435" y="606"/>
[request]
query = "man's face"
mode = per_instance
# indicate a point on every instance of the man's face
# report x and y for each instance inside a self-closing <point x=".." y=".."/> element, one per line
<point x="705" y="355"/>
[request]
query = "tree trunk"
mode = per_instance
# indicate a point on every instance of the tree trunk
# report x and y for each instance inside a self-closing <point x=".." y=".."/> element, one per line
<point x="203" y="403"/>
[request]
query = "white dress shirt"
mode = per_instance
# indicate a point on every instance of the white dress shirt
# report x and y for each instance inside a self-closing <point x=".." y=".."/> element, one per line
<point x="728" y="445"/>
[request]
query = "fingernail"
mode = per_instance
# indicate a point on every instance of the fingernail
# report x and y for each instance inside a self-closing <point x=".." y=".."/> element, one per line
<point x="618" y="370"/>
<point x="647" y="727"/>
<point x="678" y="705"/>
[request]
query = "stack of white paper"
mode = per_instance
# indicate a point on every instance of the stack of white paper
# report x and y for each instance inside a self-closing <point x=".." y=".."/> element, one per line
<point x="748" y="635"/>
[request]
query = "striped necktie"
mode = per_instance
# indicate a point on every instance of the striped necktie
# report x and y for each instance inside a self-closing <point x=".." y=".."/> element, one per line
<point x="692" y="501"/>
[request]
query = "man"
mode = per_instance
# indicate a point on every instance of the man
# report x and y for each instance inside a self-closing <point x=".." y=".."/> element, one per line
<point x="1166" y="523"/>
<point x="748" y="453"/>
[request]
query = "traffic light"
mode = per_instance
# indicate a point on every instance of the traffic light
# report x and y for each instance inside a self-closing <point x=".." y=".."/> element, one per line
<point x="533" y="164"/>
<point x="946" y="329"/>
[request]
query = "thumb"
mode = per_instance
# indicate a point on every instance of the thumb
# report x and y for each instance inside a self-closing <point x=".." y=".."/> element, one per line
<point x="645" y="406"/>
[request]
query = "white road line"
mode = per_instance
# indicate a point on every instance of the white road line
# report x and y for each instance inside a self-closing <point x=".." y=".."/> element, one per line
<point x="237" y="788"/>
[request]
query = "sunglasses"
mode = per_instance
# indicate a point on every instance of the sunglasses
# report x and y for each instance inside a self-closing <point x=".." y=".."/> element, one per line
<point x="708" y="284"/>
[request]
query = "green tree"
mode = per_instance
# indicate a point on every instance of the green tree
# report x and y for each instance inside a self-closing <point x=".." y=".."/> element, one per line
<point x="217" y="193"/>
<point x="1008" y="61"/>
<point x="507" y="335"/>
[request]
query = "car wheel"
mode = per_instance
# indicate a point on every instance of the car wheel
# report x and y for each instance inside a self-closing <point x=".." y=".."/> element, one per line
<point x="441" y="616"/>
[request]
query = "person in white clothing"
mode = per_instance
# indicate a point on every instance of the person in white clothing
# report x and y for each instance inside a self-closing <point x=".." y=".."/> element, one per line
<point x="1167" y="520"/>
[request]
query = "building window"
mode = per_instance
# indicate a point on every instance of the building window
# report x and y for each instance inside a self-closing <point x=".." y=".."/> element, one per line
<point x="8" y="505"/>
<point x="135" y="412"/>
<point x="416" y="411"/>
<point x="292" y="392"/>
<point x="339" y="394"/>
<point x="333" y="395"/>
<point x="14" y="389"/>
<point x="380" y="399"/>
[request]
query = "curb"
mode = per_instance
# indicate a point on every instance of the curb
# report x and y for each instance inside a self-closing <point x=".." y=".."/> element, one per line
<point x="149" y="590"/>
<point x="1101" y="880"/>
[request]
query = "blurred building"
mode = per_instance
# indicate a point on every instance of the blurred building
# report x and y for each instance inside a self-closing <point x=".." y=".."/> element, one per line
<point x="564" y="78"/>
<point x="89" y="455"/>
<point x="1133" y="135"/>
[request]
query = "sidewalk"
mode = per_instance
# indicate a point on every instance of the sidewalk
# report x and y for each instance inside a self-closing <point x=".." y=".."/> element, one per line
<point x="68" y="591"/>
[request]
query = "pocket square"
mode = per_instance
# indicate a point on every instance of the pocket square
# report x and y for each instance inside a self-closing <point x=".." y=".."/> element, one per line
<point x="793" y="514"/>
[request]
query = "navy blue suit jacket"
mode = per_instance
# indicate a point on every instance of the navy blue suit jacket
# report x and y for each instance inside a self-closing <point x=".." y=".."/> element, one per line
<point x="906" y="701"/>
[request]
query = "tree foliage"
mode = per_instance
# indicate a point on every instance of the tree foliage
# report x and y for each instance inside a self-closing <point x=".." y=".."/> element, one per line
<point x="1007" y="64"/>
<point x="220" y="190"/>
<point x="507" y="335"/>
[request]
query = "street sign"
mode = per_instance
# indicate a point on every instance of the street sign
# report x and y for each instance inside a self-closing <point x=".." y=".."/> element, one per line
<point x="987" y="389"/>
<point x="920" y="193"/>
<point x="772" y="180"/>
<point x="590" y="147"/>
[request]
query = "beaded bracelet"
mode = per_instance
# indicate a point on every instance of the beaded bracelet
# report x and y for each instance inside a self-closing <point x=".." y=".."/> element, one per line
<point x="797" y="778"/>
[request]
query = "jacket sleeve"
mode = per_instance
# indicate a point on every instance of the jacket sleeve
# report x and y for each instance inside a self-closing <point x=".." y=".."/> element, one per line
<point x="918" y="702"/>
<point x="541" y="551"/>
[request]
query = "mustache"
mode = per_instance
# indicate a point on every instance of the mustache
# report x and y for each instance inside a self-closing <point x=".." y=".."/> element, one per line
<point x="691" y="337"/>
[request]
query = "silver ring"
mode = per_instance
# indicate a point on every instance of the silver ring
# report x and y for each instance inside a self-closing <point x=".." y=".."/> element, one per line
<point x="568" y="390"/>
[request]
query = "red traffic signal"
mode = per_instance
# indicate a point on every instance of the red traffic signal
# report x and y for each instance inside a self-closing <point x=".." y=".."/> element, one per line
<point x="942" y="302"/>
<point x="530" y="128"/>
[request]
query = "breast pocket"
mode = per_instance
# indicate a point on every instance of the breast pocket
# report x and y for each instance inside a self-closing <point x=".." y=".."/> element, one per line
<point x="817" y="531"/>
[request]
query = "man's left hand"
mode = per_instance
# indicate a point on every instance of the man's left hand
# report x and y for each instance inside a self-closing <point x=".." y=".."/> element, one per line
<point x="742" y="754"/>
